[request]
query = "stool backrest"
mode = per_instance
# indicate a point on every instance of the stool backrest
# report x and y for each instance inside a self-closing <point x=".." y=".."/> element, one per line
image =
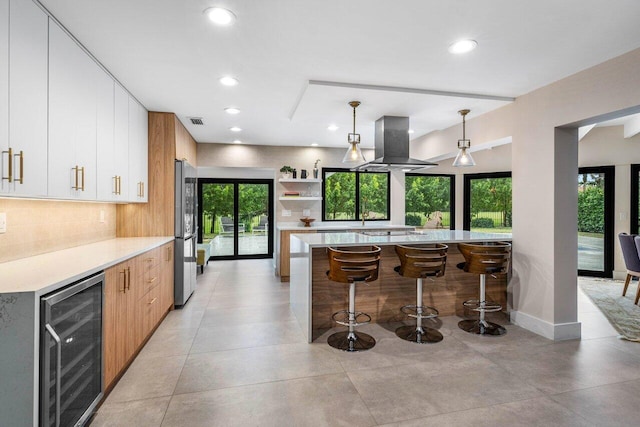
<point x="486" y="257"/>
<point x="360" y="263"/>
<point x="419" y="261"/>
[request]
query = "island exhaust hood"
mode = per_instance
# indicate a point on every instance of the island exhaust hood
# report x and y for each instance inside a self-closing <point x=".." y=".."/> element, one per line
<point x="392" y="147"/>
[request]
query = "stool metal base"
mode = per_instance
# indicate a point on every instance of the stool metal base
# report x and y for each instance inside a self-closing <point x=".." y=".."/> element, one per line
<point x="357" y="341"/>
<point x="481" y="327"/>
<point x="414" y="334"/>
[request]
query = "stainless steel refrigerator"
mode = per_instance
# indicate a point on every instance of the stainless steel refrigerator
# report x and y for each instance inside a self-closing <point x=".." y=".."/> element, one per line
<point x="186" y="232"/>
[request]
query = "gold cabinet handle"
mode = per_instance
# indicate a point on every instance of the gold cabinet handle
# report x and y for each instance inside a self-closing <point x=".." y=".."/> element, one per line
<point x="153" y="300"/>
<point x="115" y="184"/>
<point x="124" y="280"/>
<point x="20" y="180"/>
<point x="169" y="253"/>
<point x="141" y="189"/>
<point x="152" y="280"/>
<point x="128" y="278"/>
<point x="119" y="185"/>
<point x="10" y="176"/>
<point x="79" y="181"/>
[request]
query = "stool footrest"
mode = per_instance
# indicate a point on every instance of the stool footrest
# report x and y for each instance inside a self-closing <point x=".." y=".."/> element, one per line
<point x="477" y="305"/>
<point x="342" y="318"/>
<point x="412" y="311"/>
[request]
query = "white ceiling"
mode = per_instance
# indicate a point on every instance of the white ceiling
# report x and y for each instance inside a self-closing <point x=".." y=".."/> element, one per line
<point x="170" y="57"/>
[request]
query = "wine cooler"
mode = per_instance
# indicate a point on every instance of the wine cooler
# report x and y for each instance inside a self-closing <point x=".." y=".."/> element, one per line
<point x="71" y="353"/>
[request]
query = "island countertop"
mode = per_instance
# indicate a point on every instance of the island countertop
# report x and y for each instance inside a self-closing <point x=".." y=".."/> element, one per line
<point x="420" y="236"/>
<point x="342" y="226"/>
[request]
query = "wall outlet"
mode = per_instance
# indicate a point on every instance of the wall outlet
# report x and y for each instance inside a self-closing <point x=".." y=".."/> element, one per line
<point x="3" y="222"/>
<point x="306" y="212"/>
<point x="286" y="212"/>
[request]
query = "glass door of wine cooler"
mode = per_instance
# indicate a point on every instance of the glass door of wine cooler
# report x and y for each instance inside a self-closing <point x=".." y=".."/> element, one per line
<point x="71" y="353"/>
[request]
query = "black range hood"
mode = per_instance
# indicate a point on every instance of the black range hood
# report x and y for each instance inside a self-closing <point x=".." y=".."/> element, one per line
<point x="392" y="147"/>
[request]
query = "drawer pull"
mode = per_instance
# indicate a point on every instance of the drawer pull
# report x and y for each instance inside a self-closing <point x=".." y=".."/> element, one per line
<point x="124" y="280"/>
<point x="152" y="280"/>
<point x="153" y="300"/>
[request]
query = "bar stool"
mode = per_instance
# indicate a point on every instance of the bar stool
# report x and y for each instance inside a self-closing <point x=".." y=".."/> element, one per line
<point x="352" y="265"/>
<point x="420" y="262"/>
<point x="484" y="258"/>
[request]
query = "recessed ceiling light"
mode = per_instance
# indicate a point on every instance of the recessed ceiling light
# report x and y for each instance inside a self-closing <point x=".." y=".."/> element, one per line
<point x="228" y="81"/>
<point x="237" y="141"/>
<point x="333" y="128"/>
<point x="220" y="16"/>
<point x="410" y="131"/>
<point x="235" y="129"/>
<point x="231" y="110"/>
<point x="315" y="144"/>
<point x="463" y="46"/>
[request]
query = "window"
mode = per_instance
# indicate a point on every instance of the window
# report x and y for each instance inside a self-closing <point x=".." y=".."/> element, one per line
<point x="487" y="202"/>
<point x="348" y="195"/>
<point x="429" y="200"/>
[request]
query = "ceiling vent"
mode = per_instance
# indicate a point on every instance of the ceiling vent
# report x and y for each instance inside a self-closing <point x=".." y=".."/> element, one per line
<point x="196" y="121"/>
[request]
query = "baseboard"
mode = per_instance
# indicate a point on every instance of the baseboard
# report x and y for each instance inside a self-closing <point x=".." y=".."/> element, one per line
<point x="556" y="332"/>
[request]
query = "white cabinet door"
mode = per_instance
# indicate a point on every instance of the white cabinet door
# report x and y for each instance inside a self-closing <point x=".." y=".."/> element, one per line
<point x="4" y="95"/>
<point x="28" y="98"/>
<point x="138" y="155"/>
<point x="121" y="140"/>
<point x="72" y="118"/>
<point x="107" y="178"/>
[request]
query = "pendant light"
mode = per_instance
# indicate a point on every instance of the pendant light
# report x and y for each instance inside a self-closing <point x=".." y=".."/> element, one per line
<point x="464" y="157"/>
<point x="354" y="154"/>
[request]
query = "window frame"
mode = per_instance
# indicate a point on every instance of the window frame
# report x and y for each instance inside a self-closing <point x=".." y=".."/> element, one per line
<point x="634" y="211"/>
<point x="452" y="193"/>
<point x="466" y="213"/>
<point x="357" y="195"/>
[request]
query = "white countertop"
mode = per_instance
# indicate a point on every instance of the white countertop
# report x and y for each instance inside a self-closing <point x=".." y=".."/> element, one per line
<point x="423" y="236"/>
<point x="46" y="272"/>
<point x="341" y="225"/>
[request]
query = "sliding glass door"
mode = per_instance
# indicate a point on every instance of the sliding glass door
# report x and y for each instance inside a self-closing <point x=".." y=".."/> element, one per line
<point x="595" y="221"/>
<point x="635" y="199"/>
<point x="235" y="217"/>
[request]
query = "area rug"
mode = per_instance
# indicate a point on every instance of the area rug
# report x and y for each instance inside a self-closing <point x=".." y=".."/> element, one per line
<point x="622" y="313"/>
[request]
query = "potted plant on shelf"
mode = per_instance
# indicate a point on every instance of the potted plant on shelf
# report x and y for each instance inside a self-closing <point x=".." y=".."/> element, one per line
<point x="286" y="171"/>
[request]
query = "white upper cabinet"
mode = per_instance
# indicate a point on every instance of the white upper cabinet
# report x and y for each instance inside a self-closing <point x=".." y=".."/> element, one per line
<point x="72" y="118"/>
<point x="138" y="155"/>
<point x="107" y="179"/>
<point x="27" y="85"/>
<point x="4" y="94"/>
<point x="121" y="141"/>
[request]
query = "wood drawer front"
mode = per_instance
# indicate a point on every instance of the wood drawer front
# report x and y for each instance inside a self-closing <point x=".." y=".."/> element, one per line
<point x="149" y="311"/>
<point x="150" y="279"/>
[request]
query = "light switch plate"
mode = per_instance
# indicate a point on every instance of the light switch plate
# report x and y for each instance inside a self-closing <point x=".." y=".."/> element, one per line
<point x="306" y="212"/>
<point x="3" y="222"/>
<point x="286" y="212"/>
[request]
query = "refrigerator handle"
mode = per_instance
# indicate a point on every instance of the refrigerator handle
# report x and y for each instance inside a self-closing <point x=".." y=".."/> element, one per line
<point x="56" y="338"/>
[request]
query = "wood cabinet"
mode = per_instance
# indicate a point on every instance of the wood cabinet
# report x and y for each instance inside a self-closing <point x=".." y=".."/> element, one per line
<point x="23" y="71"/>
<point x="119" y="313"/>
<point x="136" y="300"/>
<point x="285" y="249"/>
<point x="72" y="118"/>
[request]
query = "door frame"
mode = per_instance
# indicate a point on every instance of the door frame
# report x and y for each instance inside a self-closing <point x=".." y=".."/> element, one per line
<point x="609" y="214"/>
<point x="633" y="214"/>
<point x="236" y="199"/>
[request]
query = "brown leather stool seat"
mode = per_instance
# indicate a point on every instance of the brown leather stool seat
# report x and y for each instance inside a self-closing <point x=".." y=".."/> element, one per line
<point x="484" y="258"/>
<point x="352" y="265"/>
<point x="420" y="262"/>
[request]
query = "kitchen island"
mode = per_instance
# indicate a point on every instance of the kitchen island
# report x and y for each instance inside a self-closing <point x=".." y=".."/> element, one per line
<point x="314" y="298"/>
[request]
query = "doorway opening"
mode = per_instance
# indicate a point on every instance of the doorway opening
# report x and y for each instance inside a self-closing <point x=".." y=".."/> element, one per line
<point x="236" y="217"/>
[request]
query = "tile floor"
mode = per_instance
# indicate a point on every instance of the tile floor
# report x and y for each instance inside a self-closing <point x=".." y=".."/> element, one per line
<point x="235" y="356"/>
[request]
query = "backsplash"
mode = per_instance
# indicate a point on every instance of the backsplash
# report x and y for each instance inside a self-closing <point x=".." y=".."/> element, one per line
<point x="39" y="226"/>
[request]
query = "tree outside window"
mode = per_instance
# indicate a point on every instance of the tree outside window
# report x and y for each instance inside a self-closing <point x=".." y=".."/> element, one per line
<point x="348" y="195"/>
